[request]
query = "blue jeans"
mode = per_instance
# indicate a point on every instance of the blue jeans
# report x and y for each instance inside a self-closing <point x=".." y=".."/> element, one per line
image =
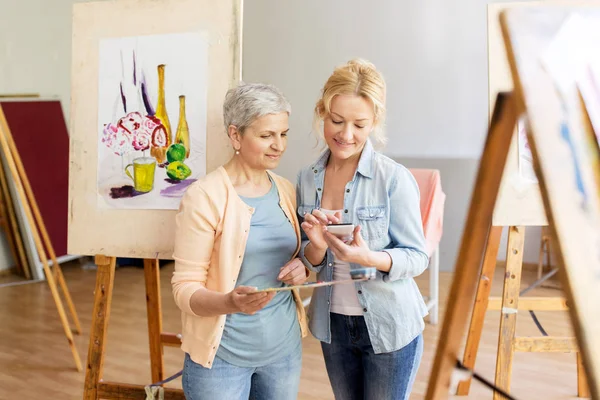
<point x="275" y="381"/>
<point x="356" y="372"/>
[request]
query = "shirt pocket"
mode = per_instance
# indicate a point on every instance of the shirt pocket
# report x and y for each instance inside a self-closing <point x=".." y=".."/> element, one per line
<point x="373" y="222"/>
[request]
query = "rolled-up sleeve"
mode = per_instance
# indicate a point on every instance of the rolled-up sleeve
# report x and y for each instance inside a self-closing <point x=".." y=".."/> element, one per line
<point x="195" y="224"/>
<point x="409" y="255"/>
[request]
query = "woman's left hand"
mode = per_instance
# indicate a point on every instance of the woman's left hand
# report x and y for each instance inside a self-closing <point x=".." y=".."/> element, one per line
<point x="356" y="251"/>
<point x="293" y="273"/>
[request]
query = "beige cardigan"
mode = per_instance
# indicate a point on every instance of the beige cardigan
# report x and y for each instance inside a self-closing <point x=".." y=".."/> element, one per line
<point x="212" y="227"/>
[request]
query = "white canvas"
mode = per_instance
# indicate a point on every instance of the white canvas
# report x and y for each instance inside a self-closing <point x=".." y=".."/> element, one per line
<point x="130" y="129"/>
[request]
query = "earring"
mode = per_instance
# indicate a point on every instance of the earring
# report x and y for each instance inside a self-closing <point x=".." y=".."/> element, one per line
<point x="237" y="152"/>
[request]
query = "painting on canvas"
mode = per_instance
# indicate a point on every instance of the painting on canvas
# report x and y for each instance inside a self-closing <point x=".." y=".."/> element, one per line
<point x="151" y="119"/>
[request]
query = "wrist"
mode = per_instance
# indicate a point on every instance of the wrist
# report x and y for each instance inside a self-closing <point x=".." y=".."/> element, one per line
<point x="317" y="249"/>
<point x="314" y="254"/>
<point x="381" y="260"/>
<point x="369" y="259"/>
<point x="229" y="304"/>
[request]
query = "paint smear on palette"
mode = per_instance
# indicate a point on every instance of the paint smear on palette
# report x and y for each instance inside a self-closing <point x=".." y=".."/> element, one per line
<point x="178" y="189"/>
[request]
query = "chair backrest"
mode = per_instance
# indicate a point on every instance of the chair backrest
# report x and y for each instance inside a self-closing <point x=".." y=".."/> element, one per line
<point x="432" y="205"/>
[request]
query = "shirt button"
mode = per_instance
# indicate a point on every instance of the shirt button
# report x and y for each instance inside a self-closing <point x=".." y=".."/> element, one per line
<point x="347" y="190"/>
<point x="315" y="171"/>
<point x="319" y="189"/>
<point x="330" y="264"/>
<point x="360" y="292"/>
<point x="364" y="309"/>
<point x="346" y="211"/>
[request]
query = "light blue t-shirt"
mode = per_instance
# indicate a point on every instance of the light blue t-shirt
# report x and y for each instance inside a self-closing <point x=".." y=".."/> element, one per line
<point x="273" y="332"/>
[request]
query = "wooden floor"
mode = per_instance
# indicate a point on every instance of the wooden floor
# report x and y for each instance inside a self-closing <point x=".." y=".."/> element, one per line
<point x="35" y="361"/>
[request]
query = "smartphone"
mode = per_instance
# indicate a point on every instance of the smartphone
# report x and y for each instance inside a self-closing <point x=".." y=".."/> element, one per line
<point x="341" y="230"/>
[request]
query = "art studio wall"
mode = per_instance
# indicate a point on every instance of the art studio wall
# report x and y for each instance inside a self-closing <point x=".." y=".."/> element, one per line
<point x="433" y="55"/>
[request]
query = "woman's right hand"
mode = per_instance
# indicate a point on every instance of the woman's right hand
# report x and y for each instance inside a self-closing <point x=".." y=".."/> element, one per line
<point x="314" y="224"/>
<point x="244" y="299"/>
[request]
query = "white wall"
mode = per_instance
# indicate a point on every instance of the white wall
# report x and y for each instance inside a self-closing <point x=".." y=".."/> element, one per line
<point x="35" y="57"/>
<point x="432" y="53"/>
<point x="35" y="50"/>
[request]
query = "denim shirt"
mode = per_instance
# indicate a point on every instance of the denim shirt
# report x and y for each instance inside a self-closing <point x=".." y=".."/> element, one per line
<point x="383" y="198"/>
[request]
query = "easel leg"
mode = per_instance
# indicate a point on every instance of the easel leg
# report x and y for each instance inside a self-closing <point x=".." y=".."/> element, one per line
<point x="510" y="304"/>
<point x="21" y="259"/>
<point x="481" y="303"/>
<point x="102" y="299"/>
<point x="19" y="179"/>
<point x="58" y="275"/>
<point x="154" y="312"/>
<point x="472" y="248"/>
<point x="61" y="313"/>
<point x="583" y="389"/>
<point x="65" y="290"/>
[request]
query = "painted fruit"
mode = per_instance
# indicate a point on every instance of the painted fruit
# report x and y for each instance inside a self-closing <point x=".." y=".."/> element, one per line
<point x="178" y="170"/>
<point x="176" y="152"/>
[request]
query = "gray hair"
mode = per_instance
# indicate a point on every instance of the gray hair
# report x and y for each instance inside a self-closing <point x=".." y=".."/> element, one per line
<point x="249" y="101"/>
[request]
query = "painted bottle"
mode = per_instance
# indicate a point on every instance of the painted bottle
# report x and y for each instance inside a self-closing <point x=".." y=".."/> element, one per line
<point x="183" y="132"/>
<point x="162" y="141"/>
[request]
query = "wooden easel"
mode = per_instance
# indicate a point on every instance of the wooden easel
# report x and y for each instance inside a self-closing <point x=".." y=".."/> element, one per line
<point x="10" y="226"/>
<point x="509" y="304"/>
<point x="94" y="387"/>
<point x="141" y="233"/>
<point x="43" y="243"/>
<point x="518" y="206"/>
<point x="525" y="32"/>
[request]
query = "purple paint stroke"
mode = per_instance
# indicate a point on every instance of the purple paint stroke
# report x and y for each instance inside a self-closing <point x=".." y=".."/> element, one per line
<point x="123" y="98"/>
<point x="145" y="97"/>
<point x="178" y="189"/>
<point x="123" y="192"/>
<point x="134" y="70"/>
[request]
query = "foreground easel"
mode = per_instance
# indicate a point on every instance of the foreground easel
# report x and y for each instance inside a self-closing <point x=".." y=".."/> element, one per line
<point x="94" y="387"/>
<point x="574" y="233"/>
<point x="40" y="235"/>
<point x="518" y="206"/>
<point x="509" y="305"/>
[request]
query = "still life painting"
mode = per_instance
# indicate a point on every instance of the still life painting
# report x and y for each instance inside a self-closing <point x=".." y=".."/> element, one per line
<point x="151" y="119"/>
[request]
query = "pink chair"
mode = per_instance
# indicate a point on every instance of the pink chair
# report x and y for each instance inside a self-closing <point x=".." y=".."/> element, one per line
<point x="432" y="216"/>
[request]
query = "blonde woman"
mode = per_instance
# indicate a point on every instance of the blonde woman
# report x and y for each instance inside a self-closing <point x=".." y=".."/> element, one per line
<point x="237" y="230"/>
<point x="370" y="332"/>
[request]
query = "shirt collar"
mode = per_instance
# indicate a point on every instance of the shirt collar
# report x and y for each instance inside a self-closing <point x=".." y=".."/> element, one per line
<point x="365" y="163"/>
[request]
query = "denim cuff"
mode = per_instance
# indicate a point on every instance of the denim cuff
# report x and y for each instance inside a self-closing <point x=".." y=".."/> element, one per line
<point x="316" y="268"/>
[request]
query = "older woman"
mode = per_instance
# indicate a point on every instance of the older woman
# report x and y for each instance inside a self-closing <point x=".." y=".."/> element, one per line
<point x="371" y="332"/>
<point x="237" y="231"/>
